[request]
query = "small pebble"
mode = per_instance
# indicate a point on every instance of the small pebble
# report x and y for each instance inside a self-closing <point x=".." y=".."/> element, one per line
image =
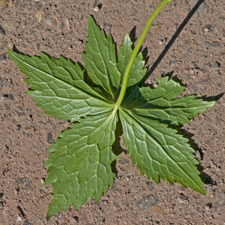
<point x="50" y="139"/>
<point x="17" y="127"/>
<point x="24" y="181"/>
<point x="19" y="219"/>
<point x="147" y="201"/>
<point x="216" y="65"/>
<point x="48" y="21"/>
<point x="79" y="42"/>
<point x="218" y="168"/>
<point x="67" y="23"/>
<point x="42" y="180"/>
<point x="158" y="209"/>
<point x="163" y="41"/>
<point x="8" y="97"/>
<point x="194" y="71"/>
<point x="206" y="30"/>
<point x="96" y="9"/>
<point x="182" y="198"/>
<point x="214" y="44"/>
<point x="208" y="206"/>
<point x="40" y="15"/>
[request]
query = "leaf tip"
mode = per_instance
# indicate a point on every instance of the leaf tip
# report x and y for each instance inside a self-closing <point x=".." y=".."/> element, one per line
<point x="91" y="19"/>
<point x="202" y="190"/>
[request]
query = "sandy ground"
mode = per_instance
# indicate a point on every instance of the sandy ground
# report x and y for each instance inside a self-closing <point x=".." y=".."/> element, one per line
<point x="196" y="55"/>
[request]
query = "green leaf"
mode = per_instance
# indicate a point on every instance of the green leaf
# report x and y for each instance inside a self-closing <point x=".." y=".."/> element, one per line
<point x="58" y="87"/>
<point x="80" y="162"/>
<point x="159" y="104"/>
<point x="159" y="151"/>
<point x="100" y="59"/>
<point x="137" y="72"/>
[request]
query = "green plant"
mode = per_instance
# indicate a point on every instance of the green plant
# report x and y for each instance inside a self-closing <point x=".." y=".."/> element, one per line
<point x="80" y="160"/>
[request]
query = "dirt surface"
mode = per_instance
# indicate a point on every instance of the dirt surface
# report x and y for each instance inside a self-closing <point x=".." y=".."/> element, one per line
<point x="196" y="54"/>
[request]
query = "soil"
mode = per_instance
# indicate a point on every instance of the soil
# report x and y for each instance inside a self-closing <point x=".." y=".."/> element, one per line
<point x="188" y="38"/>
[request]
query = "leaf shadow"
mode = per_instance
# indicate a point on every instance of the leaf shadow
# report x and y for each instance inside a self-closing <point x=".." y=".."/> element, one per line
<point x="132" y="35"/>
<point x="116" y="147"/>
<point x="144" y="51"/>
<point x="199" y="153"/>
<point x="211" y="98"/>
<point x="173" y="39"/>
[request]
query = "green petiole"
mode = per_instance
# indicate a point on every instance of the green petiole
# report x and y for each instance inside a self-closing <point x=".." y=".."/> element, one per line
<point x="136" y="50"/>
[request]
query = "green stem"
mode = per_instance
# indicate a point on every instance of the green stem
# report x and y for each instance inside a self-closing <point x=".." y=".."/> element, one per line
<point x="136" y="50"/>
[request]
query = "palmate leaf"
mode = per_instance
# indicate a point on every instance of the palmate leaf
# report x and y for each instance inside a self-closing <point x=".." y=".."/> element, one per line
<point x="80" y="160"/>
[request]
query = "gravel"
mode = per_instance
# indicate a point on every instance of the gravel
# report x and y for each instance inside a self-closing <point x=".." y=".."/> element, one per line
<point x="24" y="181"/>
<point x="216" y="65"/>
<point x="8" y="97"/>
<point x="182" y="198"/>
<point x="50" y="139"/>
<point x="146" y="202"/>
<point x="17" y="127"/>
<point x="214" y="44"/>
